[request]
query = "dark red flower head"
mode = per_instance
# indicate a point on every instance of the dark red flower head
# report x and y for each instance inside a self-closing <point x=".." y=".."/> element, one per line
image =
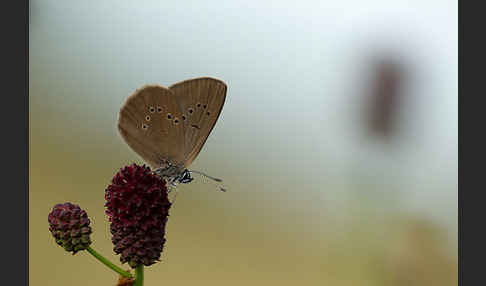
<point x="69" y="225"/>
<point x="138" y="206"/>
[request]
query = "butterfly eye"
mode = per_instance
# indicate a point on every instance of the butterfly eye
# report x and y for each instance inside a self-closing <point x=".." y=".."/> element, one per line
<point x="190" y="110"/>
<point x="198" y="105"/>
<point x="208" y="113"/>
<point x="159" y="109"/>
<point x="183" y="117"/>
<point x="152" y="109"/>
<point x="204" y="106"/>
<point x="176" y="121"/>
<point x="144" y="126"/>
<point x="169" y="116"/>
<point x="147" y="118"/>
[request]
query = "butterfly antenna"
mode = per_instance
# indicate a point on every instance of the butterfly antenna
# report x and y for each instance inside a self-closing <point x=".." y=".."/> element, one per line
<point x="212" y="178"/>
<point x="206" y="175"/>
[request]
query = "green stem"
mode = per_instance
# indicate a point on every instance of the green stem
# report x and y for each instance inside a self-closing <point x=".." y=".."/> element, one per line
<point x="109" y="263"/>
<point x="139" y="275"/>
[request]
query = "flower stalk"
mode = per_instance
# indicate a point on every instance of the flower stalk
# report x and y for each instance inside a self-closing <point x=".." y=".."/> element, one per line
<point x="139" y="275"/>
<point x="109" y="263"/>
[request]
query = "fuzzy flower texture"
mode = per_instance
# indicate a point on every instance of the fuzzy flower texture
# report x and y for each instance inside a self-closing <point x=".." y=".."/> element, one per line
<point x="138" y="206"/>
<point x="69" y="225"/>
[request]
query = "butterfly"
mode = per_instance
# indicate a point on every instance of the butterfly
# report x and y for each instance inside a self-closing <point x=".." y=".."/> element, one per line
<point x="168" y="127"/>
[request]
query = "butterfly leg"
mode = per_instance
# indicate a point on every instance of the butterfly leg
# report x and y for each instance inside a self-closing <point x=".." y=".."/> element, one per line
<point x="172" y="186"/>
<point x="175" y="196"/>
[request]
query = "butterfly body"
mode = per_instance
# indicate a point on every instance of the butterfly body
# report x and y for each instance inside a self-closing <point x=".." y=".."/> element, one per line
<point x="168" y="127"/>
<point x="174" y="174"/>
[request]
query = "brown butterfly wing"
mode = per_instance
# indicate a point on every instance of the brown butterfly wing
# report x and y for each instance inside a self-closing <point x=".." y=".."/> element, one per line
<point x="150" y="122"/>
<point x="201" y="101"/>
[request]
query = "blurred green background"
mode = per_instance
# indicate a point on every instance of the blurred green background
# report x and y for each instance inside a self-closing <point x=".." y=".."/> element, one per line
<point x="313" y="199"/>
